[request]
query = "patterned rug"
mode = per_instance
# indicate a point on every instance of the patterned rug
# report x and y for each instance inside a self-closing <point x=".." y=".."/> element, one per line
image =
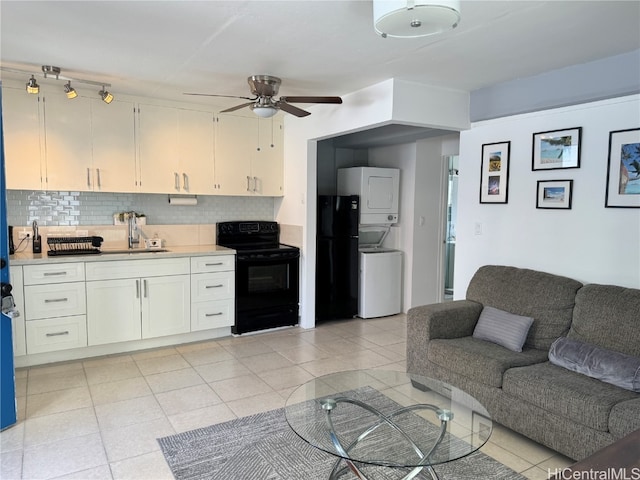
<point x="263" y="447"/>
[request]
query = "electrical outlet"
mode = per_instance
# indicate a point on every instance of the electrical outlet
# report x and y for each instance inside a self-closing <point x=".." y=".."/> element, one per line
<point x="23" y="234"/>
<point x="82" y="233"/>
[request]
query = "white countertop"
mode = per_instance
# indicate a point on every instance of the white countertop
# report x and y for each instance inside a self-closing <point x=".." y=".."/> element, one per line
<point x="29" y="258"/>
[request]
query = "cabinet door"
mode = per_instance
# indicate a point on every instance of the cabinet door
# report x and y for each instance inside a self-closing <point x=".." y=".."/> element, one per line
<point x="17" y="281"/>
<point x="113" y="311"/>
<point x="68" y="143"/>
<point x="236" y="144"/>
<point x="195" y="151"/>
<point x="114" y="148"/>
<point x="158" y="149"/>
<point x="22" y="141"/>
<point x="267" y="164"/>
<point x="165" y="305"/>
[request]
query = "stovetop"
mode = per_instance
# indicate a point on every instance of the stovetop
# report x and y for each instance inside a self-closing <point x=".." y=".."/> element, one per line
<point x="251" y="236"/>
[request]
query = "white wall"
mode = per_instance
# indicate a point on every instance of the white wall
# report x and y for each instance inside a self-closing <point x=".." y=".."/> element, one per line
<point x="367" y="108"/>
<point x="589" y="242"/>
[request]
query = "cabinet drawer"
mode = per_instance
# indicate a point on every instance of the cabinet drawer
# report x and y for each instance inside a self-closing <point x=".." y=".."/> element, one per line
<point x="212" y="286"/>
<point x="213" y="263"/>
<point x="212" y="315"/>
<point x="57" y="300"/>
<point x="56" y="334"/>
<point x="152" y="267"/>
<point x="53" y="273"/>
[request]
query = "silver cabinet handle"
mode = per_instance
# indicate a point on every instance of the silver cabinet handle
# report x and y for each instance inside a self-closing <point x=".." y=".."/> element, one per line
<point x="212" y="314"/>
<point x="176" y="181"/>
<point x="214" y="286"/>
<point x="137" y="288"/>
<point x="54" y="300"/>
<point x="146" y="292"/>
<point x="99" y="182"/>
<point x="88" y="177"/>
<point x="185" y="182"/>
<point x="248" y="185"/>
<point x="213" y="264"/>
<point x="57" y="334"/>
<point x="51" y="274"/>
<point x="255" y="184"/>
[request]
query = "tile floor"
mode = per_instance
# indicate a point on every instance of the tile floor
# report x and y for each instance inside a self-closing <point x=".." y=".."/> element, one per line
<point x="99" y="418"/>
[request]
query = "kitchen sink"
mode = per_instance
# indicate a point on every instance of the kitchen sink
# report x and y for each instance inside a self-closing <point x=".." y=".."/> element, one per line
<point x="134" y="250"/>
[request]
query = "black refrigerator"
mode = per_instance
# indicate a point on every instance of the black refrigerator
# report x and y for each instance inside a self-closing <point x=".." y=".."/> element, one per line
<point x="337" y="260"/>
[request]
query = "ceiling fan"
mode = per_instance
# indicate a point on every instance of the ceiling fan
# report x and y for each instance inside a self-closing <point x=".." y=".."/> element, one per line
<point x="265" y="87"/>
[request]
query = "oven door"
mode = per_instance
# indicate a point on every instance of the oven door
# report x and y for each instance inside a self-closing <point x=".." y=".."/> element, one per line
<point x="266" y="280"/>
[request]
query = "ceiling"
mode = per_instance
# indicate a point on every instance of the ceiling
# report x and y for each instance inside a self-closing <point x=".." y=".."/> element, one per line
<point x="161" y="49"/>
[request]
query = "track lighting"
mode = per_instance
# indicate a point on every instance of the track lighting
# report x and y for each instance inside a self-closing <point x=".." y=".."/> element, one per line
<point x="70" y="91"/>
<point x="105" y="95"/>
<point x="32" y="86"/>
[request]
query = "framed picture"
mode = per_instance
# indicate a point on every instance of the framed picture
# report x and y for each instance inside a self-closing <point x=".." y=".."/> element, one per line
<point x="556" y="149"/>
<point x="554" y="194"/>
<point x="494" y="172"/>
<point x="623" y="172"/>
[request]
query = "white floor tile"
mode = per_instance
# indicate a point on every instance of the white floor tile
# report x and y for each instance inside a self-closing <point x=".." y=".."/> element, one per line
<point x="189" y="398"/>
<point x="135" y="440"/>
<point x="151" y="466"/>
<point x="128" y="412"/>
<point x="59" y="426"/>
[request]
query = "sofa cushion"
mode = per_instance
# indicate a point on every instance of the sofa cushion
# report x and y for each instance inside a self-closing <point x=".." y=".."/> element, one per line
<point x="482" y="361"/>
<point x="579" y="398"/>
<point x="548" y="298"/>
<point x="607" y="316"/>
<point x="503" y="328"/>
<point x="596" y="362"/>
<point x="625" y="418"/>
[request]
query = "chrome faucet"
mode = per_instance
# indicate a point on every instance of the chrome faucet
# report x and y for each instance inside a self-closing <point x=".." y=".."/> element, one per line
<point x="134" y="238"/>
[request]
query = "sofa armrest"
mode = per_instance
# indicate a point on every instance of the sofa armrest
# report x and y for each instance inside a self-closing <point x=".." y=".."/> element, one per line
<point x="439" y="320"/>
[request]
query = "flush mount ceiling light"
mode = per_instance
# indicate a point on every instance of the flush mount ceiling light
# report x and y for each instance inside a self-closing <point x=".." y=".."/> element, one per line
<point x="70" y="91"/>
<point x="32" y="86"/>
<point x="105" y="95"/>
<point x="414" y="18"/>
<point x="264" y="111"/>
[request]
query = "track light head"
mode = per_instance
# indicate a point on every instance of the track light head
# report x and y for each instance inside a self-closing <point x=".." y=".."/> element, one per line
<point x="70" y="91"/>
<point x="106" y="96"/>
<point x="32" y="86"/>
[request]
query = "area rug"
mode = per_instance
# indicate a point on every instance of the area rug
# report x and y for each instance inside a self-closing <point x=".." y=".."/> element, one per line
<point x="263" y="447"/>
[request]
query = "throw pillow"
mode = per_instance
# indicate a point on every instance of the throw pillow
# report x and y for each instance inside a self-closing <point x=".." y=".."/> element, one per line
<point x="612" y="367"/>
<point x="504" y="328"/>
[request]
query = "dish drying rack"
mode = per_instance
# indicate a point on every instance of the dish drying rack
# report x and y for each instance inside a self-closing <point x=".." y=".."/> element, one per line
<point x="74" y="245"/>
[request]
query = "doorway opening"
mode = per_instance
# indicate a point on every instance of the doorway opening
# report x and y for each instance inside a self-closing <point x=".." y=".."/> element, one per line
<point x="450" y="227"/>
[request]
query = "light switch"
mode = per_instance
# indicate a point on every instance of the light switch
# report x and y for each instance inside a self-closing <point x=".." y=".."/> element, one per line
<point x="477" y="228"/>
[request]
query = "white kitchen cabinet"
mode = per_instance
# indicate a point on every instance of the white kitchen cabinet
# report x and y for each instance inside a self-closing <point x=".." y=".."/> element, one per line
<point x="175" y="150"/>
<point x="134" y="299"/>
<point x="53" y="334"/>
<point x="249" y="155"/>
<point x="212" y="292"/>
<point x="23" y="143"/>
<point x="18" y="324"/>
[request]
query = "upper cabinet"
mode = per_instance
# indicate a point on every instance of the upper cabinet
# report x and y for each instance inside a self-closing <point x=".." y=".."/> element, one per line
<point x="83" y="144"/>
<point x="175" y="150"/>
<point x="249" y="155"/>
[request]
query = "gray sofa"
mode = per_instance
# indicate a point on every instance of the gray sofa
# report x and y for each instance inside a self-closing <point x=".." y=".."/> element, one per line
<point x="569" y="412"/>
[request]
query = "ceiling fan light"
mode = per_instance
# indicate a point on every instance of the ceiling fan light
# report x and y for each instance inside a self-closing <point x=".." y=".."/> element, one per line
<point x="106" y="96"/>
<point x="264" y="111"/>
<point x="70" y="91"/>
<point x="32" y="86"/>
<point x="414" y="18"/>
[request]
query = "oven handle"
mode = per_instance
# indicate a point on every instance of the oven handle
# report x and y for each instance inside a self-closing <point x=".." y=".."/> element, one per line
<point x="267" y="258"/>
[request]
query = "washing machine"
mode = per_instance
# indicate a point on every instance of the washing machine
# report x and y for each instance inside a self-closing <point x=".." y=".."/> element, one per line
<point x="380" y="280"/>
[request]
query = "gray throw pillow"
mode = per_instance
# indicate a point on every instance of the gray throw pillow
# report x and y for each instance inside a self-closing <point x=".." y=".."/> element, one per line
<point x="607" y="365"/>
<point x="503" y="328"/>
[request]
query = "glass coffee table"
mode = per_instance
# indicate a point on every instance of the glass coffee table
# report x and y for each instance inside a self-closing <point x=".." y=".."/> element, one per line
<point x="377" y="419"/>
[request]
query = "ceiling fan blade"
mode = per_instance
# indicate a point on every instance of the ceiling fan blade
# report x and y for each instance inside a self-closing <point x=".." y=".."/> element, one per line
<point x="311" y="99"/>
<point x="214" y="95"/>
<point x="237" y="107"/>
<point x="298" y="112"/>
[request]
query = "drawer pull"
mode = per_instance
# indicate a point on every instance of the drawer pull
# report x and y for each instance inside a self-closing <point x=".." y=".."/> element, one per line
<point x="57" y="334"/>
<point x="54" y="300"/>
<point x="213" y="264"/>
<point x="212" y="314"/>
<point x="214" y="286"/>
<point x="51" y="274"/>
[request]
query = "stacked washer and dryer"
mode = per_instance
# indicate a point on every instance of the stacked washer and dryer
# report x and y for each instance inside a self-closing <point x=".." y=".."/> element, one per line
<point x="380" y="278"/>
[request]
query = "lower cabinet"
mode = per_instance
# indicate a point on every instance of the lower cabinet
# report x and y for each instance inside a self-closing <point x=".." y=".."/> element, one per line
<point x="137" y="307"/>
<point x="52" y="334"/>
<point x="212" y="292"/>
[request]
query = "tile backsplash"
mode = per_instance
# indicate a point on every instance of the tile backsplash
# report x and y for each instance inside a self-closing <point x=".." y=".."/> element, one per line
<point x="92" y="208"/>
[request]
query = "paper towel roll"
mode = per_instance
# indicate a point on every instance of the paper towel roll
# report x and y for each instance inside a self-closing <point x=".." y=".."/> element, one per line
<point x="183" y="200"/>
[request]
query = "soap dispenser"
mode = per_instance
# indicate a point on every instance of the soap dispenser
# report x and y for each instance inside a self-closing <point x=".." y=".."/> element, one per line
<point x="37" y="240"/>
